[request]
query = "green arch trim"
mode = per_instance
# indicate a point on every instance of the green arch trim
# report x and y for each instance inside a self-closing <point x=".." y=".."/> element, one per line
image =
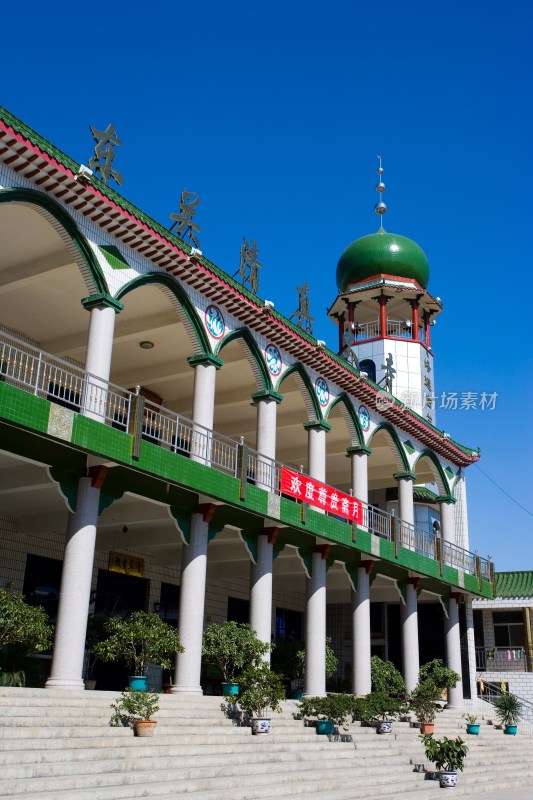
<point x="345" y="400"/>
<point x="385" y="426"/>
<point x="442" y="475"/>
<point x="312" y="405"/>
<point x="48" y="204"/>
<point x="259" y="368"/>
<point x="163" y="279"/>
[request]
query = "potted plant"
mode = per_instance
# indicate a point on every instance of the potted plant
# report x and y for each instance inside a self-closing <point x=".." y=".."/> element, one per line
<point x="422" y="703"/>
<point x="23" y="629"/>
<point x="386" y="678"/>
<point x="142" y="638"/>
<point x="448" y="755"/>
<point x="331" y="711"/>
<point x="231" y="646"/>
<point x="260" y="690"/>
<point x="136" y="708"/>
<point x="472" y="725"/>
<point x="508" y="710"/>
<point x="443" y="678"/>
<point x="379" y="709"/>
<point x="332" y="662"/>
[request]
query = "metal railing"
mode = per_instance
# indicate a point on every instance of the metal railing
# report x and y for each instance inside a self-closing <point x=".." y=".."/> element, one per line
<point x="491" y="692"/>
<point x="398" y="328"/>
<point x="47" y="376"/>
<point x="501" y="659"/>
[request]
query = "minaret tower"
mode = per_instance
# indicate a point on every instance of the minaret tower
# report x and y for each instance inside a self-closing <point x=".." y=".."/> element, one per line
<point x="384" y="313"/>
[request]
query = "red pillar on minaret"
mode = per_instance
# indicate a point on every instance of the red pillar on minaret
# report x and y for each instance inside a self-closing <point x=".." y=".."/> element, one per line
<point x="383" y="315"/>
<point x="414" y="319"/>
<point x="427" y="327"/>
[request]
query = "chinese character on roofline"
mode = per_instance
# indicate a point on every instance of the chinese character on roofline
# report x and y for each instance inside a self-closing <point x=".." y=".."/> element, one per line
<point x="104" y="150"/>
<point x="249" y="265"/>
<point x="302" y="314"/>
<point x="186" y="227"/>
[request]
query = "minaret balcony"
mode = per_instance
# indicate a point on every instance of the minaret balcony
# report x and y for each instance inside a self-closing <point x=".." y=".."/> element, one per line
<point x="396" y="329"/>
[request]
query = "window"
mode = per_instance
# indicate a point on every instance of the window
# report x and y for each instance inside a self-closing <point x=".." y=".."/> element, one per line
<point x="288" y="623"/>
<point x="42" y="581"/>
<point x="368" y="366"/>
<point x="508" y="628"/>
<point x="169" y="602"/>
<point x="238" y="610"/>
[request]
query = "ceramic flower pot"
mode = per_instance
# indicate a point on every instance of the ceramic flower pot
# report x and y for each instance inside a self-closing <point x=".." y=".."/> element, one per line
<point x="145" y="727"/>
<point x="260" y="725"/>
<point x="138" y="682"/>
<point x="448" y="779"/>
<point x="427" y="727"/>
<point x="472" y="728"/>
<point x="510" y="730"/>
<point x="230" y="689"/>
<point x="325" y="727"/>
<point x="385" y="726"/>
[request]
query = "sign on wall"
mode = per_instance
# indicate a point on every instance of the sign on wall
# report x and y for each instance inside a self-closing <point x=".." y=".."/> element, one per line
<point x="320" y="495"/>
<point x="126" y="564"/>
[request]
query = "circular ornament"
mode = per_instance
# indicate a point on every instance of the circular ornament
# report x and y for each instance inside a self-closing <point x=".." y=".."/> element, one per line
<point x="273" y="359"/>
<point x="215" y="322"/>
<point x="364" y="417"/>
<point x="322" y="391"/>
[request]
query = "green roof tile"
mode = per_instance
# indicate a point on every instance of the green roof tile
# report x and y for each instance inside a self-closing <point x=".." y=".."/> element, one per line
<point x="514" y="584"/>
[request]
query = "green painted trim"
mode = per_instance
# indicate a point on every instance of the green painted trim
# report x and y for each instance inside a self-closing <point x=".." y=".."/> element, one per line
<point x="317" y="424"/>
<point x="171" y="283"/>
<point x="46" y="203"/>
<point x="353" y="575"/>
<point x="107" y="499"/>
<point x="214" y="528"/>
<point x="266" y="394"/>
<point x="67" y="483"/>
<point x="344" y="399"/>
<point x="429" y="454"/>
<point x="205" y="359"/>
<point x="301" y="371"/>
<point x="261" y="370"/>
<point x="306" y="557"/>
<point x="406" y="475"/>
<point x="106" y="300"/>
<point x="359" y="448"/>
<point x="183" y="521"/>
<point x="409" y="447"/>
<point x="446" y="498"/>
<point x="450" y="473"/>
<point x="250" y="541"/>
<point x="113" y="256"/>
<point x="386" y="426"/>
<point x="277" y="548"/>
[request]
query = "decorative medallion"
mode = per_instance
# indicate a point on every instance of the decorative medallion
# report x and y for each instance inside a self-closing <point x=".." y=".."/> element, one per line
<point x="322" y="391"/>
<point x="364" y="417"/>
<point x="273" y="359"/>
<point x="215" y="322"/>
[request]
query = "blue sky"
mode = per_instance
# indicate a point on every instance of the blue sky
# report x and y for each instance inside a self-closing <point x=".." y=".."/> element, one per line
<point x="274" y="113"/>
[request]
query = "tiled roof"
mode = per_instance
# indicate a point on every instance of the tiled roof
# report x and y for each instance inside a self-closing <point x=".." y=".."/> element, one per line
<point x="514" y="584"/>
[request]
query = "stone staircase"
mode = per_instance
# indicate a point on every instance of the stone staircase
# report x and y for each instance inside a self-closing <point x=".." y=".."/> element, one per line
<point x="57" y="745"/>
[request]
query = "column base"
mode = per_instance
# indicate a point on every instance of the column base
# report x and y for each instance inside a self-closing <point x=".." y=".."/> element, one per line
<point x="65" y="683"/>
<point x="318" y="694"/>
<point x="186" y="690"/>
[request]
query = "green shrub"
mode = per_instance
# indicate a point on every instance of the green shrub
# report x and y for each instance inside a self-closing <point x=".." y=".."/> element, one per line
<point x="443" y="677"/>
<point x="260" y="690"/>
<point x="140" y="639"/>
<point x="336" y="708"/>
<point x="21" y="623"/>
<point x="331" y="660"/>
<point x="231" y="646"/>
<point x="133" y="705"/>
<point x="386" y="678"/>
<point x="446" y="754"/>
<point x="508" y="709"/>
<point x="378" y="707"/>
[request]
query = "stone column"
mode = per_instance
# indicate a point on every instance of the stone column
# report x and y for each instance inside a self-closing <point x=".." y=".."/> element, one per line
<point x="471" y="643"/>
<point x="266" y="403"/>
<point x="316" y="445"/>
<point x="203" y="404"/>
<point x="315" y="626"/>
<point x="447" y="519"/>
<point x="103" y="310"/>
<point x="192" y="600"/>
<point x="406" y="508"/>
<point x="409" y="622"/>
<point x="358" y="456"/>
<point x="453" y="648"/>
<point x="361" y="651"/>
<point x="261" y="591"/>
<point x="74" y="597"/>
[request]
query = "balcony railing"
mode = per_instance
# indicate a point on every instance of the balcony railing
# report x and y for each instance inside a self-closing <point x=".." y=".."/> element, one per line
<point x="501" y="659"/>
<point x="397" y="328"/>
<point x="47" y="376"/>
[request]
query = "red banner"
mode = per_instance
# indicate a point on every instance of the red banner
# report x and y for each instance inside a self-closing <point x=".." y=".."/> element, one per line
<point x="320" y="495"/>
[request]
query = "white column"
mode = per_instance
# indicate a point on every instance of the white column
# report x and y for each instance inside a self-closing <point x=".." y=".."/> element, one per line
<point x="266" y="403"/>
<point x="361" y="652"/>
<point x="359" y="464"/>
<point x="447" y="521"/>
<point x="315" y="629"/>
<point x="203" y="404"/>
<point x="409" y="622"/>
<point x="261" y="591"/>
<point x="453" y="650"/>
<point x="471" y="644"/>
<point x="71" y="628"/>
<point x="316" y="449"/>
<point x="192" y="600"/>
<point x="405" y="497"/>
<point x="98" y="355"/>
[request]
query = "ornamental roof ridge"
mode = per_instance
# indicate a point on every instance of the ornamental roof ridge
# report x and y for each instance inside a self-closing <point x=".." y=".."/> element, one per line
<point x="164" y="250"/>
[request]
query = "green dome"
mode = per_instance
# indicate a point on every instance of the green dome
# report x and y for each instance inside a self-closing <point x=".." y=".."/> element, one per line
<point x="379" y="253"/>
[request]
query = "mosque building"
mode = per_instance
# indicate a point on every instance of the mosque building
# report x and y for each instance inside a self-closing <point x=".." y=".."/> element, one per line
<point x="169" y="441"/>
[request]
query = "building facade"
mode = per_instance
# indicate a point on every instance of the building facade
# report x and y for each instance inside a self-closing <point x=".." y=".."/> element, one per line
<point x="170" y="441"/>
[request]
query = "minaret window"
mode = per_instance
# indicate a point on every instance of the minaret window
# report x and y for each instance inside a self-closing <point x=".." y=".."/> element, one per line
<point x="368" y="366"/>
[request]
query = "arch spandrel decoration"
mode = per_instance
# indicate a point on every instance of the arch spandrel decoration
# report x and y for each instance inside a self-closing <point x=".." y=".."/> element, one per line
<point x="67" y="229"/>
<point x="350" y="416"/>
<point x="252" y="353"/>
<point x="312" y="406"/>
<point x="399" y="453"/>
<point x="181" y="302"/>
<point x="437" y="471"/>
